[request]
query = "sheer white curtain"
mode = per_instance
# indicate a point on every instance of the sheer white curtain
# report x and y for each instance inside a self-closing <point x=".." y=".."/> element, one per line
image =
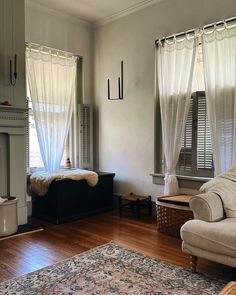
<point x="219" y="51"/>
<point x="175" y="65"/>
<point x="51" y="82"/>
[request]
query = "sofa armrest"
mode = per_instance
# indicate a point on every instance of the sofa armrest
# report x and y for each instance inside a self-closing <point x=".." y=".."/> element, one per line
<point x="207" y="207"/>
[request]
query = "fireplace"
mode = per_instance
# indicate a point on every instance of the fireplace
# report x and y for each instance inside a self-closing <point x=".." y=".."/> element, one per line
<point x="13" y="122"/>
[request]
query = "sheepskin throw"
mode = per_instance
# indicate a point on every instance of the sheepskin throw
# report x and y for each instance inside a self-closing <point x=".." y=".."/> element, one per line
<point x="41" y="180"/>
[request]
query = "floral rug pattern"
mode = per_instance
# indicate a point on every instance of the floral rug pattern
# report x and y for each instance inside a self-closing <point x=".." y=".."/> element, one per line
<point x="112" y="269"/>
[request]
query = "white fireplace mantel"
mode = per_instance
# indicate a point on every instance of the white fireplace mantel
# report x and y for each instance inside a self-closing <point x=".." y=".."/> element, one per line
<point x="13" y="122"/>
<point x="13" y="117"/>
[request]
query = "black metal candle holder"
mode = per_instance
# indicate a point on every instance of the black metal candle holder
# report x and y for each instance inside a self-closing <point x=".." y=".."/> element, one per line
<point x="120" y="85"/>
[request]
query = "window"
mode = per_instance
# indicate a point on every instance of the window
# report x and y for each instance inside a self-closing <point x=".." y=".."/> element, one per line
<point x="196" y="158"/>
<point x="34" y="158"/>
<point x="34" y="155"/>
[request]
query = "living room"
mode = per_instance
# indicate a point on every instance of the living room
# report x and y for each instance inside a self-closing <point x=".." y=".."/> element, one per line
<point x="116" y="46"/>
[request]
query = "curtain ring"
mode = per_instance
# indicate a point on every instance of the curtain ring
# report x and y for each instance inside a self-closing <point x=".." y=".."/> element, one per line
<point x="166" y="42"/>
<point x="203" y="30"/>
<point x="197" y="32"/>
<point x="41" y="49"/>
<point x="225" y="24"/>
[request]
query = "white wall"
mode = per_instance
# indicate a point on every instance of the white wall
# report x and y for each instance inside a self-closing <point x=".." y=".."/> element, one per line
<point x="125" y="129"/>
<point x="54" y="29"/>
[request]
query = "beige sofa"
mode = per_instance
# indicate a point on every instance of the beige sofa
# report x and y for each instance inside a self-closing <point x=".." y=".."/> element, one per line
<point x="210" y="235"/>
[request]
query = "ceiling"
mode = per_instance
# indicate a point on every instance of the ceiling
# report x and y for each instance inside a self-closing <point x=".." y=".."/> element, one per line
<point x="93" y="10"/>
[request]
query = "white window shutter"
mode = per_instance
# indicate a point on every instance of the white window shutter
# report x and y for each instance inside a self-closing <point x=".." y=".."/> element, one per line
<point x="85" y="136"/>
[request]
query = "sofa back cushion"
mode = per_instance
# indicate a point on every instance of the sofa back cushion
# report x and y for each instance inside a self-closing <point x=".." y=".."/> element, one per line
<point x="224" y="186"/>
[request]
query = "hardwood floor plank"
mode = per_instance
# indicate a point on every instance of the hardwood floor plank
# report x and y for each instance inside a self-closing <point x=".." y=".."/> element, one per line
<point x="26" y="253"/>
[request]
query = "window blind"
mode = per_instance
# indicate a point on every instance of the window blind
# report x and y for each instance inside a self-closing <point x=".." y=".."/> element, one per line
<point x="186" y="154"/>
<point x="85" y="136"/>
<point x="196" y="152"/>
<point x="204" y="149"/>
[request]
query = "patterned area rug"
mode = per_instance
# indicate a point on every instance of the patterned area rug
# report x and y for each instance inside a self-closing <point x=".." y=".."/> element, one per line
<point x="111" y="269"/>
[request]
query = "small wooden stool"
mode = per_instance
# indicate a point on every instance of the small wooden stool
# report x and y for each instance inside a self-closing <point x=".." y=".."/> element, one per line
<point x="135" y="203"/>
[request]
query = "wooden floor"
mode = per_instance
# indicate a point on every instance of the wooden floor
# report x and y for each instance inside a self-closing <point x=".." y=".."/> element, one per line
<point x="27" y="253"/>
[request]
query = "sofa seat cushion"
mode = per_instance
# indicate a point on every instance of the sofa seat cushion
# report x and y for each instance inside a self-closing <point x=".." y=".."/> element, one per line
<point x="218" y="237"/>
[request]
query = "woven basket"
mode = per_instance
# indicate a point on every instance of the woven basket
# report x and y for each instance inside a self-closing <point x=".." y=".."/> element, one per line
<point x="170" y="220"/>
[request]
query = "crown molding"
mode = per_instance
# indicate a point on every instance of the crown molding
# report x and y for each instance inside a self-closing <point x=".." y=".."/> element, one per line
<point x="57" y="13"/>
<point x="76" y="20"/>
<point x="125" y="12"/>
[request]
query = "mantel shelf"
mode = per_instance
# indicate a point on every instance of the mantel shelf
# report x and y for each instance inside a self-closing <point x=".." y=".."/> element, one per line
<point x="4" y="108"/>
<point x="11" y="116"/>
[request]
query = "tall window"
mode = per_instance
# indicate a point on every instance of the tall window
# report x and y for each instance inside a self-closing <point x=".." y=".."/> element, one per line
<point x="203" y="137"/>
<point x="51" y="82"/>
<point x="196" y="157"/>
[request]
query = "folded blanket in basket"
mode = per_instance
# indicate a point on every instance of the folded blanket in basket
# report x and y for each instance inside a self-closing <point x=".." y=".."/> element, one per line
<point x="224" y="185"/>
<point x="40" y="181"/>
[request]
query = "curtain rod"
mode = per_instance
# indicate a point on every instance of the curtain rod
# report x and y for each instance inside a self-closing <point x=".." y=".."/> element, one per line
<point x="28" y="44"/>
<point x="193" y="30"/>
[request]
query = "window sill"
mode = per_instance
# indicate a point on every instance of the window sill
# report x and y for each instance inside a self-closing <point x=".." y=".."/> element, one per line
<point x="31" y="170"/>
<point x="190" y="182"/>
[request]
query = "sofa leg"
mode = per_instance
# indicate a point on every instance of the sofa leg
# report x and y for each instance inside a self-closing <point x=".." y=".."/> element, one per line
<point x="193" y="263"/>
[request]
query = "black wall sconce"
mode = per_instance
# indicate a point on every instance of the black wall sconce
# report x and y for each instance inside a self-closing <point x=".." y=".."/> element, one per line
<point x="120" y="85"/>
